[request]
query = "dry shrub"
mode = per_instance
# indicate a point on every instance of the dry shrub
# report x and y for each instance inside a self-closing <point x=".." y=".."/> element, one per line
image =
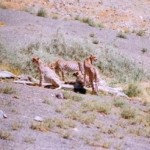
<point x="133" y="90"/>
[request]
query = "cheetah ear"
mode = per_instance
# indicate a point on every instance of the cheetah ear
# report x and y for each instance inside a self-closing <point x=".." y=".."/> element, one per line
<point x="91" y="54"/>
<point x="33" y="59"/>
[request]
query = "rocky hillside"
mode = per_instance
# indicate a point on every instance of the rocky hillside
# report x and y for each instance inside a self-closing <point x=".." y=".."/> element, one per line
<point x="127" y="16"/>
<point x="117" y="32"/>
<point x="38" y="119"/>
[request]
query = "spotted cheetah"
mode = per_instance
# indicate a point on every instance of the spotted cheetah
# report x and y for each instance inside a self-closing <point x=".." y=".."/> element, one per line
<point x="62" y="66"/>
<point x="47" y="74"/>
<point x="92" y="72"/>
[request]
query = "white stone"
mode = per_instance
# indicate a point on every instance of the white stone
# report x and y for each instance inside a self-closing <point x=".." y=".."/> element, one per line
<point x="38" y="118"/>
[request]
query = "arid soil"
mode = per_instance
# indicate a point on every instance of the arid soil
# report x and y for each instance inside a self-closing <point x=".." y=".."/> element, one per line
<point x="122" y="15"/>
<point x="22" y="29"/>
<point x="103" y="128"/>
<point x="78" y="122"/>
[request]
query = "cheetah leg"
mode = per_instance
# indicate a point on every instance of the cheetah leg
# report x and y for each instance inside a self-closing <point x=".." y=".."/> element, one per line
<point x="84" y="78"/>
<point x="41" y="79"/>
<point x="63" y="77"/>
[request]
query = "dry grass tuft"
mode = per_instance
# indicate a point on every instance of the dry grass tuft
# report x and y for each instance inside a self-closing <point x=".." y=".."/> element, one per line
<point x="82" y="117"/>
<point x="133" y="90"/>
<point x="64" y="123"/>
<point x="128" y="112"/>
<point x="121" y="35"/>
<point x="8" y="90"/>
<point x="119" y="102"/>
<point x="141" y="33"/>
<point x="47" y="101"/>
<point x="4" y="135"/>
<point x="50" y="123"/>
<point x="16" y="126"/>
<point x="29" y="140"/>
<point x="100" y="107"/>
<point x="42" y="126"/>
<point x="72" y="96"/>
<point x="42" y="13"/>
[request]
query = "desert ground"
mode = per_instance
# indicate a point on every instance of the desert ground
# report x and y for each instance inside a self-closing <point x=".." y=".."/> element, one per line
<point x="117" y="32"/>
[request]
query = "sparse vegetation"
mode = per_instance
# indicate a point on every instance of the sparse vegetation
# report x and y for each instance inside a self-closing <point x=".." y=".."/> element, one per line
<point x="119" y="102"/>
<point x="141" y="33"/>
<point x="64" y="123"/>
<point x="128" y="112"/>
<point x="89" y="21"/>
<point x="50" y="123"/>
<point x="66" y="134"/>
<point x="110" y="62"/>
<point x="133" y="90"/>
<point x="144" y="50"/>
<point x="95" y="41"/>
<point x="4" y="135"/>
<point x="29" y="139"/>
<point x="42" y="126"/>
<point x="16" y="125"/>
<point x="100" y="107"/>
<point x="92" y="35"/>
<point x="2" y="5"/>
<point x="8" y="90"/>
<point x="104" y="121"/>
<point x="2" y="24"/>
<point x="47" y="101"/>
<point x="42" y="13"/>
<point x="121" y="35"/>
<point x="54" y="16"/>
<point x="87" y="118"/>
<point x="81" y="117"/>
<point x="72" y="96"/>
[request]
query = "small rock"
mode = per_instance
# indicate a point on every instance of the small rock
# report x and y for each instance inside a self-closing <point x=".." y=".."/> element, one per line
<point x="76" y="129"/>
<point x="38" y="118"/>
<point x="16" y="97"/>
<point x="2" y="115"/>
<point x="60" y="96"/>
<point x="52" y="95"/>
<point x="6" y="74"/>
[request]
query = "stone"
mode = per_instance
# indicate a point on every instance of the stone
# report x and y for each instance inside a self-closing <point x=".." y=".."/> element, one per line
<point x="60" y="95"/>
<point x="6" y="74"/>
<point x="38" y="118"/>
<point x="2" y="114"/>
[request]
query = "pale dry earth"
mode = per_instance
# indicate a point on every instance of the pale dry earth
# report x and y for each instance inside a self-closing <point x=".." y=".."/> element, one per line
<point x="22" y="29"/>
<point x="109" y="131"/>
<point x="122" y="15"/>
<point x="18" y="29"/>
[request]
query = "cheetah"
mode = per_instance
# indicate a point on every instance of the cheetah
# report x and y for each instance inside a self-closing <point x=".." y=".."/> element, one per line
<point x="47" y="74"/>
<point x="92" y="72"/>
<point x="61" y="65"/>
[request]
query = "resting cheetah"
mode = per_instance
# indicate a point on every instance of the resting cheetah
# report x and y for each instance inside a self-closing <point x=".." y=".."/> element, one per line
<point x="47" y="74"/>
